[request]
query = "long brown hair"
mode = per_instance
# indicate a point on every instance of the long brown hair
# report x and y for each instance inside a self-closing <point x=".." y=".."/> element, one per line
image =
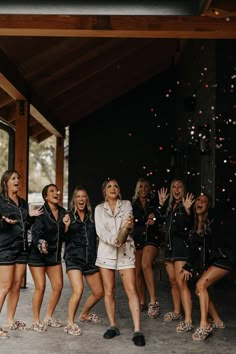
<point x="4" y="179"/>
<point x="205" y="216"/>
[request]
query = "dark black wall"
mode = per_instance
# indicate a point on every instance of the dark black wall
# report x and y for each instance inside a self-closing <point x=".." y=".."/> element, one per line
<point x="226" y="124"/>
<point x="195" y="107"/>
<point x="131" y="137"/>
<point x="148" y="132"/>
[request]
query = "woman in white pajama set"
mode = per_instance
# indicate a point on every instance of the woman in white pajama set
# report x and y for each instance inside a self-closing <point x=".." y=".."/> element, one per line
<point x="110" y="216"/>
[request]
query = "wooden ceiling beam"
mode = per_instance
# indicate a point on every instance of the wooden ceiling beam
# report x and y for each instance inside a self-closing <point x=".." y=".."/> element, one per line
<point x="118" y="26"/>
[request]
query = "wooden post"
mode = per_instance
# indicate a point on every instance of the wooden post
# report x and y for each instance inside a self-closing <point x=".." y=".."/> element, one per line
<point x="22" y="150"/>
<point x="60" y="166"/>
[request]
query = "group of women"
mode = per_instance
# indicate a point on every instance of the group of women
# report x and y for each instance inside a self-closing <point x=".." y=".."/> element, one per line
<point x="198" y="248"/>
<point x="129" y="235"/>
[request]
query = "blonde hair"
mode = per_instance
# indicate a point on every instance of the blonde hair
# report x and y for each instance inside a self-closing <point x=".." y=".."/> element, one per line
<point x="104" y="185"/>
<point x="88" y="205"/>
<point x="136" y="192"/>
<point x="171" y="198"/>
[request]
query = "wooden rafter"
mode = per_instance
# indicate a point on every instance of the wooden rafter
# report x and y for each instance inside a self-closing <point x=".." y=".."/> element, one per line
<point x="14" y="86"/>
<point x="118" y="26"/>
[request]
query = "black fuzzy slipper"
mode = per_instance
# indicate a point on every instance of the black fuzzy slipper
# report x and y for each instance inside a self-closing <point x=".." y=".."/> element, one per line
<point x="111" y="332"/>
<point x="138" y="339"/>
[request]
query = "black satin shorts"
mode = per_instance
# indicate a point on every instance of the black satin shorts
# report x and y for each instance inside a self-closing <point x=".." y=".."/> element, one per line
<point x="85" y="268"/>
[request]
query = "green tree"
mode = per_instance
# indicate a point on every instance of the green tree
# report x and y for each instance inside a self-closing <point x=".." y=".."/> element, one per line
<point x="4" y="141"/>
<point x="41" y="163"/>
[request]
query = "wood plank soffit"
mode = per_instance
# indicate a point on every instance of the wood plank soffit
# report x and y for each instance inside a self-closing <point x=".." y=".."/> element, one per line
<point x="45" y="122"/>
<point x="14" y="85"/>
<point x="11" y="81"/>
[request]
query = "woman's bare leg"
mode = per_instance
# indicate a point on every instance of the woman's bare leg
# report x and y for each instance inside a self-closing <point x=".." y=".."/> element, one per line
<point x="140" y="281"/>
<point x="149" y="254"/>
<point x="55" y="276"/>
<point x="214" y="314"/>
<point x="108" y="279"/>
<point x="76" y="280"/>
<point x="14" y="293"/>
<point x="128" y="279"/>
<point x="94" y="282"/>
<point x="6" y="280"/>
<point x="170" y="268"/>
<point x="212" y="275"/>
<point x="39" y="278"/>
<point x="184" y="291"/>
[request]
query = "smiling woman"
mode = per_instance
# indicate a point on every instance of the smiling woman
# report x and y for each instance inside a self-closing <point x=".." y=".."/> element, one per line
<point x="110" y="216"/>
<point x="80" y="257"/>
<point x="210" y="259"/>
<point x="45" y="256"/>
<point x="14" y="222"/>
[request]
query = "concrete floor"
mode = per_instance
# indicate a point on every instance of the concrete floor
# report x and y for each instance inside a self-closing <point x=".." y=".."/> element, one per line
<point x="160" y="337"/>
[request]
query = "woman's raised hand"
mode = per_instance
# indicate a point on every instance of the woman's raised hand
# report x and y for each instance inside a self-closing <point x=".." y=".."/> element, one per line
<point x="163" y="195"/>
<point x="188" y="202"/>
<point x="35" y="211"/>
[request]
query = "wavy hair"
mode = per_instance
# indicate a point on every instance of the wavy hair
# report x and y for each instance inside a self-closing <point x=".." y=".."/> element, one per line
<point x="104" y="185"/>
<point x="205" y="216"/>
<point x="171" y="198"/>
<point x="4" y="179"/>
<point x="136" y="192"/>
<point x="88" y="207"/>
